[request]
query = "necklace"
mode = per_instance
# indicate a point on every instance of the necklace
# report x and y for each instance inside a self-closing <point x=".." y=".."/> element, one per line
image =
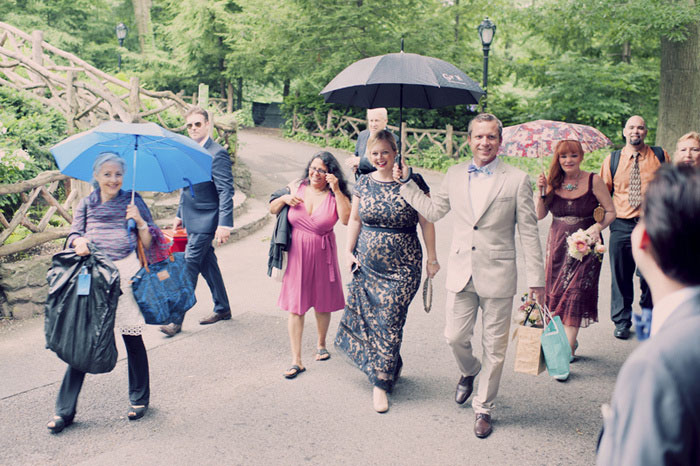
<point x="571" y="187"/>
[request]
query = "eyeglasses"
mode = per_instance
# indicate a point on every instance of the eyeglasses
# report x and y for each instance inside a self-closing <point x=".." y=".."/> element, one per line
<point x="196" y="124"/>
<point x="320" y="171"/>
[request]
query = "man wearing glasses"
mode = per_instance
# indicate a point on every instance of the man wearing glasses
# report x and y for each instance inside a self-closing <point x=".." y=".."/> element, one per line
<point x="207" y="215"/>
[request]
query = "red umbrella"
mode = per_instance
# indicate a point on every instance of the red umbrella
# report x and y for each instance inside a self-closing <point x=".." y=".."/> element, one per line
<point x="539" y="138"/>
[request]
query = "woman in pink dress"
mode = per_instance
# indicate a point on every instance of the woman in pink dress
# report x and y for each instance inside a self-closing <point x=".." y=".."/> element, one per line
<point x="312" y="277"/>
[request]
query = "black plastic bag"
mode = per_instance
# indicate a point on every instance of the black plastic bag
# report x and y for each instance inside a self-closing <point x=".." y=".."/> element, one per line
<point x="80" y="328"/>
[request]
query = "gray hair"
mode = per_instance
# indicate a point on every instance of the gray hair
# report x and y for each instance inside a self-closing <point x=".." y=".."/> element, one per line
<point x="102" y="159"/>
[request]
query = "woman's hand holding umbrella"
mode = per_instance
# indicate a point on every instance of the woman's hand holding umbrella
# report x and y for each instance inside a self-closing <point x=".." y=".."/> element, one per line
<point x="542" y="184"/>
<point x="400" y="175"/>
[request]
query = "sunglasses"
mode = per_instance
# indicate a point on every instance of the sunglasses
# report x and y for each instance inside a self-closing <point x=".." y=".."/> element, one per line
<point x="196" y="124"/>
<point x="320" y="171"/>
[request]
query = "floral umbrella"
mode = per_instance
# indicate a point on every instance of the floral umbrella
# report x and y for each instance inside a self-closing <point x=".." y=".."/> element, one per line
<point x="539" y="138"/>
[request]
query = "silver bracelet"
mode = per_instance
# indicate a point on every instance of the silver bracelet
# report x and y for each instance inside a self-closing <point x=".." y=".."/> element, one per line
<point x="145" y="225"/>
<point x="433" y="262"/>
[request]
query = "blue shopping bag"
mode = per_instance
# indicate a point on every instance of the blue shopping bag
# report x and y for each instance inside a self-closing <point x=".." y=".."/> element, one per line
<point x="555" y="346"/>
<point x="164" y="290"/>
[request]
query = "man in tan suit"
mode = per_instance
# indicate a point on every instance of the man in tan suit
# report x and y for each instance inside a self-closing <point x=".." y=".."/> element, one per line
<point x="488" y="199"/>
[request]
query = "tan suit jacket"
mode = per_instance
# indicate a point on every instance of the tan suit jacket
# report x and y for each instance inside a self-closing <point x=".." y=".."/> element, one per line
<point x="483" y="248"/>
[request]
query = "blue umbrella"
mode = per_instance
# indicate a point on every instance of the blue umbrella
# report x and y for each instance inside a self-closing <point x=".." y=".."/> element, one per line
<point x="157" y="159"/>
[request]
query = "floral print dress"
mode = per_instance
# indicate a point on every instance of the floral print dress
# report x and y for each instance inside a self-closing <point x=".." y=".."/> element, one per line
<point x="388" y="278"/>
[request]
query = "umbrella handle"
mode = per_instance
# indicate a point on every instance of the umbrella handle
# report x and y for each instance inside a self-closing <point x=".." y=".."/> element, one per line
<point x="190" y="186"/>
<point x="410" y="171"/>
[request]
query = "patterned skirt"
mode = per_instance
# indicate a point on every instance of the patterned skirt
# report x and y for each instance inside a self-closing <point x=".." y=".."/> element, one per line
<point x="371" y="329"/>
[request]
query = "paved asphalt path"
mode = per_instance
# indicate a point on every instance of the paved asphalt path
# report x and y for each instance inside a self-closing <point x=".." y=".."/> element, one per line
<point x="218" y="395"/>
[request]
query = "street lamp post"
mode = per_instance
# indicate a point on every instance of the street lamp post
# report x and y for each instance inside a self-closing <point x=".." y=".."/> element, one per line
<point x="121" y="31"/>
<point x="487" y="29"/>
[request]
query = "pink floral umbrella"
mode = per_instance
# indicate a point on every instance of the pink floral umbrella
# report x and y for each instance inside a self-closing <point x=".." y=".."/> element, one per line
<point x="539" y="138"/>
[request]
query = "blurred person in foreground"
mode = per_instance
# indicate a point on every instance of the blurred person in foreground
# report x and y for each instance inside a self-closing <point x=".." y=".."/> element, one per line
<point x="654" y="416"/>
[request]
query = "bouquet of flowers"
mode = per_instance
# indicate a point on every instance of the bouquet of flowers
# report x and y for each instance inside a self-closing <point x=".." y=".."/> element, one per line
<point x="580" y="244"/>
<point x="528" y="313"/>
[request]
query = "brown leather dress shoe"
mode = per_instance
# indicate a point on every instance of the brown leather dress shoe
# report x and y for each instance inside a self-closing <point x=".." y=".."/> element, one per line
<point x="482" y="425"/>
<point x="215" y="317"/>
<point x="464" y="388"/>
<point x="171" y="329"/>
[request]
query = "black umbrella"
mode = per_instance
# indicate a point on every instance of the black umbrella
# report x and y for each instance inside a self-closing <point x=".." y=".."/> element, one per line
<point x="402" y="80"/>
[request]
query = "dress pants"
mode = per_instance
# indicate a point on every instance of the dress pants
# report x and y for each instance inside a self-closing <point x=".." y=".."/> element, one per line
<point x="139" y="385"/>
<point x="460" y="315"/>
<point x="623" y="267"/>
<point x="201" y="258"/>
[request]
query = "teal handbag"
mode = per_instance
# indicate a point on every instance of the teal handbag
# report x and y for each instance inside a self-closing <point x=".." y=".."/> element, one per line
<point x="555" y="346"/>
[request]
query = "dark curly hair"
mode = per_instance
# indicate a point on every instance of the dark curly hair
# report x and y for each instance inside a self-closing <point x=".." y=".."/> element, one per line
<point x="333" y="166"/>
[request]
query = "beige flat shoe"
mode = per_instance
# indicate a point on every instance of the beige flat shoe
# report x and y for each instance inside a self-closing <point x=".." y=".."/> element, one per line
<point x="380" y="400"/>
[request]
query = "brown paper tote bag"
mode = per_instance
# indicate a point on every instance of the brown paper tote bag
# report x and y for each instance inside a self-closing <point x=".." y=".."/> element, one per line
<point x="529" y="358"/>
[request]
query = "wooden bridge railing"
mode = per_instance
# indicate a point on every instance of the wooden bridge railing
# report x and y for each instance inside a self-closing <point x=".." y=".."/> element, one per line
<point x="41" y="188"/>
<point x="84" y="94"/>
<point x="413" y="140"/>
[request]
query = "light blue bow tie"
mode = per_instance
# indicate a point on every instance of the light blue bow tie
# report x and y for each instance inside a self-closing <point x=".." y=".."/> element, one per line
<point x="483" y="170"/>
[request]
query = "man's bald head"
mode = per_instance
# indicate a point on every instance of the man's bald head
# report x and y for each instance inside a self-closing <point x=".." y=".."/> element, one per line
<point x="635" y="131"/>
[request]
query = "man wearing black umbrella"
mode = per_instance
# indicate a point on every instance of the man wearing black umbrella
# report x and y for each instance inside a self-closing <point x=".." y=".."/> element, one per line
<point x="488" y="199"/>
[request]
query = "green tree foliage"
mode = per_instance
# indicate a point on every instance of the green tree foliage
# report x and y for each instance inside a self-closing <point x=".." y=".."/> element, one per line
<point x="82" y="27"/>
<point x="597" y="61"/>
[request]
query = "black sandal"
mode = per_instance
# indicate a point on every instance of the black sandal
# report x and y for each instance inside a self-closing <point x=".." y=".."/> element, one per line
<point x="293" y="371"/>
<point x="136" y="412"/>
<point x="59" y="423"/>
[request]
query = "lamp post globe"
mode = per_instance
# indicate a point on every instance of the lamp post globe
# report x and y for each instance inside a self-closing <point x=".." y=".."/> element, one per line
<point x="487" y="29"/>
<point x="121" y="31"/>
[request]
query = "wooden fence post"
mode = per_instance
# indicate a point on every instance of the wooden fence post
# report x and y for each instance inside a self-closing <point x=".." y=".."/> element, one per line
<point x="70" y="98"/>
<point x="229" y="97"/>
<point x="37" y="56"/>
<point x="448" y="140"/>
<point x="329" y="126"/>
<point x="203" y="95"/>
<point x="134" y="99"/>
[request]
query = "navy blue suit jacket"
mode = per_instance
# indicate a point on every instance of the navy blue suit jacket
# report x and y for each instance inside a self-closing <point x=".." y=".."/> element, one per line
<point x="655" y="411"/>
<point x="212" y="205"/>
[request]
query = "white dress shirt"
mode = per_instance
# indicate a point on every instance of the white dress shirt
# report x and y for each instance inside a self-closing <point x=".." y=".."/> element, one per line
<point x="480" y="185"/>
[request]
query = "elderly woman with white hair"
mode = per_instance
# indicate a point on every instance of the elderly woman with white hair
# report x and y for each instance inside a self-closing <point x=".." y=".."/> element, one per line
<point x="101" y="219"/>
<point x="688" y="150"/>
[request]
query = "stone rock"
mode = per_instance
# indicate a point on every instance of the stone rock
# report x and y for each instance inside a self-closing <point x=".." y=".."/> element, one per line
<point x="26" y="310"/>
<point x="32" y="272"/>
<point x="28" y="294"/>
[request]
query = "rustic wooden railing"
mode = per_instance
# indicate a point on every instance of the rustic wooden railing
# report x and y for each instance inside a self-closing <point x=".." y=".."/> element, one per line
<point x="83" y="93"/>
<point x="413" y="140"/>
<point x="37" y="190"/>
<point x="86" y="96"/>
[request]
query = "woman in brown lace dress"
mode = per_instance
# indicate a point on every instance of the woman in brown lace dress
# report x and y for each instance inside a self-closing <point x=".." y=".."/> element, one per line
<point x="571" y="195"/>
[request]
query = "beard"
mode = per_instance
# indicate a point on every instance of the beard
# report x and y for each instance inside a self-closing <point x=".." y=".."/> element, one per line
<point x="636" y="140"/>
